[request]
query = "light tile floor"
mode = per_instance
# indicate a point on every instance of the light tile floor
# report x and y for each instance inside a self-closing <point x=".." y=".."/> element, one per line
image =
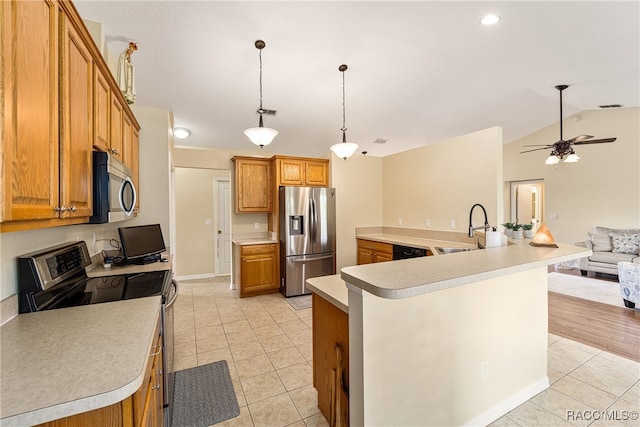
<point x="267" y="344"/>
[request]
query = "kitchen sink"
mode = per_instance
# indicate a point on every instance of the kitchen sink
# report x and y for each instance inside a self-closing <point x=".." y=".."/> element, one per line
<point x="443" y="251"/>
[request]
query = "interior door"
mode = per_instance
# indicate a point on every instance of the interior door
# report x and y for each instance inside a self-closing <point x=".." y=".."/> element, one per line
<point x="224" y="227"/>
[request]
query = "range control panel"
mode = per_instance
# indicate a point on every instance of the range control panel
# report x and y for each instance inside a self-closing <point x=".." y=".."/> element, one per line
<point x="44" y="269"/>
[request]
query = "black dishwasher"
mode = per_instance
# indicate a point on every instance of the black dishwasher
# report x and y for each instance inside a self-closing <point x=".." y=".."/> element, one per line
<point x="405" y="252"/>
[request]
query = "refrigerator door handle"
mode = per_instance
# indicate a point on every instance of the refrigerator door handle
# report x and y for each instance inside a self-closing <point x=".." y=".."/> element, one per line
<point x="313" y="219"/>
<point x="308" y="258"/>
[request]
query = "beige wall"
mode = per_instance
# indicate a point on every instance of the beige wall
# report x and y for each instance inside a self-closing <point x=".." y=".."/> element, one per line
<point x="358" y="183"/>
<point x="196" y="241"/>
<point x="424" y="367"/>
<point x="154" y="195"/>
<point x="441" y="182"/>
<point x="602" y="189"/>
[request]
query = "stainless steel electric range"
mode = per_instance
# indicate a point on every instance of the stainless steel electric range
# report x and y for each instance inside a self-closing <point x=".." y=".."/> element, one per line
<point x="56" y="278"/>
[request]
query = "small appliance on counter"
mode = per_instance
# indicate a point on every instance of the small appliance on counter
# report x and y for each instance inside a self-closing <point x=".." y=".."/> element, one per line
<point x="142" y="244"/>
<point x="307" y="236"/>
<point x="55" y="278"/>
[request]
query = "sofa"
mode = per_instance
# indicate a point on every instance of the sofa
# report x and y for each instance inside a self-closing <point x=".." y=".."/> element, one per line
<point x="610" y="246"/>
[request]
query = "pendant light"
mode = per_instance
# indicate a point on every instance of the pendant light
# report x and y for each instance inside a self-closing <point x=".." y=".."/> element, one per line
<point x="344" y="149"/>
<point x="261" y="135"/>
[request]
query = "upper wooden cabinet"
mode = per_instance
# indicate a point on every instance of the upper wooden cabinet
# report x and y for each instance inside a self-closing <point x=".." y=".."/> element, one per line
<point x="55" y="106"/>
<point x="101" y="105"/>
<point x="253" y="184"/>
<point x="115" y="117"/>
<point x="301" y="171"/>
<point x="76" y="83"/>
<point x="29" y="110"/>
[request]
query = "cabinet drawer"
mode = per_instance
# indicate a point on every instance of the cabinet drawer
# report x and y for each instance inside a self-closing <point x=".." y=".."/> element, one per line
<point x="377" y="247"/>
<point x="258" y="249"/>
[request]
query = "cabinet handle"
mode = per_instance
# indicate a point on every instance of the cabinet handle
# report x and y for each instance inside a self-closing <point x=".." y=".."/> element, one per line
<point x="157" y="352"/>
<point x="156" y="387"/>
<point x="60" y="208"/>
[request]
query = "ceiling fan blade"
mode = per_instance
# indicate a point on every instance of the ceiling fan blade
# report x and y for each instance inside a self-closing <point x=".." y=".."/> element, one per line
<point x="535" y="149"/>
<point x="580" y="138"/>
<point x="596" y="141"/>
<point x="539" y="145"/>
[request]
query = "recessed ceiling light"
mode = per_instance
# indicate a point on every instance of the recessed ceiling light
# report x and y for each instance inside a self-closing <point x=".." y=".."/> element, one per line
<point x="181" y="133"/>
<point x="490" y="19"/>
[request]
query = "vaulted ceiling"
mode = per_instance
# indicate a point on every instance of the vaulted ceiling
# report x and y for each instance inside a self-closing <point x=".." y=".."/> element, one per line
<point x="419" y="71"/>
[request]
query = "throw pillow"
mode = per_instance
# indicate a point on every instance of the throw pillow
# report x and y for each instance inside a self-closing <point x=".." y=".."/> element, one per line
<point x="601" y="242"/>
<point x="626" y="243"/>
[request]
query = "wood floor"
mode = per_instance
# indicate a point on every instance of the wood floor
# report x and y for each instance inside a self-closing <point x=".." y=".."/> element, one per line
<point x="607" y="327"/>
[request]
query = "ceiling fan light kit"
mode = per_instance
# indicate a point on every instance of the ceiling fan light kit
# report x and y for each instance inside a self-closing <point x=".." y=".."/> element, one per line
<point x="344" y="149"/>
<point x="261" y="135"/>
<point x="564" y="149"/>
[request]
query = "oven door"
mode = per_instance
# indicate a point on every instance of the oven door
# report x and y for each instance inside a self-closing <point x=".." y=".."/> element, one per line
<point x="167" y="360"/>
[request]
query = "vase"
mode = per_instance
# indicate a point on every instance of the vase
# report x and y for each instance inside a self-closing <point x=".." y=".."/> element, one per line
<point x="528" y="234"/>
<point x="508" y="232"/>
<point x="516" y="234"/>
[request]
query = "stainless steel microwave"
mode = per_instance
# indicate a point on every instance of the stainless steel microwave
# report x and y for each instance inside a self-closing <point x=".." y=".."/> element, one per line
<point x="114" y="194"/>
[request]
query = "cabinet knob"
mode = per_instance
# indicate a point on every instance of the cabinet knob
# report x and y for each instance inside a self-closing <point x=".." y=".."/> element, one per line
<point x="73" y="208"/>
<point x="60" y="208"/>
<point x="156" y="387"/>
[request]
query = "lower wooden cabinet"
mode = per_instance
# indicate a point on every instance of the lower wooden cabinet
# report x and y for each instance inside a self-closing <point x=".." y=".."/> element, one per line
<point x="370" y="252"/>
<point x="331" y="360"/>
<point x="258" y="272"/>
<point x="145" y="408"/>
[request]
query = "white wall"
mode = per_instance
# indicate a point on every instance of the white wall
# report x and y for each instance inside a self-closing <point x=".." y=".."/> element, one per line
<point x="155" y="140"/>
<point x="602" y="189"/>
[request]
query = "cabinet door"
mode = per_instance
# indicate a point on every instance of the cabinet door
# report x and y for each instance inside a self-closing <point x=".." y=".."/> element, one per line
<point x="30" y="110"/>
<point x="253" y="185"/>
<point x="127" y="152"/>
<point x="115" y="112"/>
<point x="258" y="269"/>
<point x="135" y="164"/>
<point x="290" y="171"/>
<point x="76" y="82"/>
<point x="383" y="257"/>
<point x="101" y="102"/>
<point x="365" y="256"/>
<point x="316" y="173"/>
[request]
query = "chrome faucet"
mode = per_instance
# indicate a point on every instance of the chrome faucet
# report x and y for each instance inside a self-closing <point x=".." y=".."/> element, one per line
<point x="486" y="220"/>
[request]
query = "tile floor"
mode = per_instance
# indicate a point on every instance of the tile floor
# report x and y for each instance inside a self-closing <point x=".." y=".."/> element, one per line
<point x="267" y="344"/>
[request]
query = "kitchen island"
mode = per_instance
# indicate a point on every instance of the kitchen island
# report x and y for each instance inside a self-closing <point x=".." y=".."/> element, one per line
<point x="59" y="363"/>
<point x="459" y="339"/>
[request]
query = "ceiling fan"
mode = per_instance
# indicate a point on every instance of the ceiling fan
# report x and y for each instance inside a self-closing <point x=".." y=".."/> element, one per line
<point x="564" y="148"/>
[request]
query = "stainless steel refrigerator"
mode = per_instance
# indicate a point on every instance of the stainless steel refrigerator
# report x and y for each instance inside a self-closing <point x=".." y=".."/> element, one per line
<point x="307" y="236"/>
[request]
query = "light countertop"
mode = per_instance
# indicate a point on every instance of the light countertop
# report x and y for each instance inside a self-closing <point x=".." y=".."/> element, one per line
<point x="415" y="242"/>
<point x="98" y="270"/>
<point x="410" y="277"/>
<point x="331" y="288"/>
<point x="63" y="362"/>
<point x="242" y="241"/>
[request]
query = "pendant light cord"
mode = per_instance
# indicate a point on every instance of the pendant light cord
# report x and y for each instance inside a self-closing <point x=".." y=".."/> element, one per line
<point x="344" y="128"/>
<point x="260" y="56"/>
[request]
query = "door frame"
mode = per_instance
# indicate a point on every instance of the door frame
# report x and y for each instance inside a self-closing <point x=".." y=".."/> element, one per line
<point x="217" y="180"/>
<point x="513" y="209"/>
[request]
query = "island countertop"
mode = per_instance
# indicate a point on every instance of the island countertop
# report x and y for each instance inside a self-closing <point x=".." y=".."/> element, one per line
<point x="62" y="362"/>
<point x="410" y="277"/>
<point x="331" y="288"/>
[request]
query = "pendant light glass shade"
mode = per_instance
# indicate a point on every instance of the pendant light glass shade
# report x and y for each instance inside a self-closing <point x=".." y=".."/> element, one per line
<point x="344" y="149"/>
<point x="260" y="135"/>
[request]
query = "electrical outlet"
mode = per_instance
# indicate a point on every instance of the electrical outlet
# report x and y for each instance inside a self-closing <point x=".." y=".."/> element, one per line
<point x="94" y="240"/>
<point x="399" y="221"/>
<point x="208" y="222"/>
<point x="256" y="225"/>
<point x="427" y="223"/>
<point x="452" y="224"/>
<point x="553" y="216"/>
<point x="484" y="370"/>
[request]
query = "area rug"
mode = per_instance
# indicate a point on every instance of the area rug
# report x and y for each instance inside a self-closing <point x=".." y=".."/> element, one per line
<point x="586" y="288"/>
<point x="301" y="302"/>
<point x="203" y="396"/>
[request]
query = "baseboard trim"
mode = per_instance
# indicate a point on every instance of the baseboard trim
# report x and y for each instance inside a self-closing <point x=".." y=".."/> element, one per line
<point x="509" y="403"/>
<point x="195" y="276"/>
